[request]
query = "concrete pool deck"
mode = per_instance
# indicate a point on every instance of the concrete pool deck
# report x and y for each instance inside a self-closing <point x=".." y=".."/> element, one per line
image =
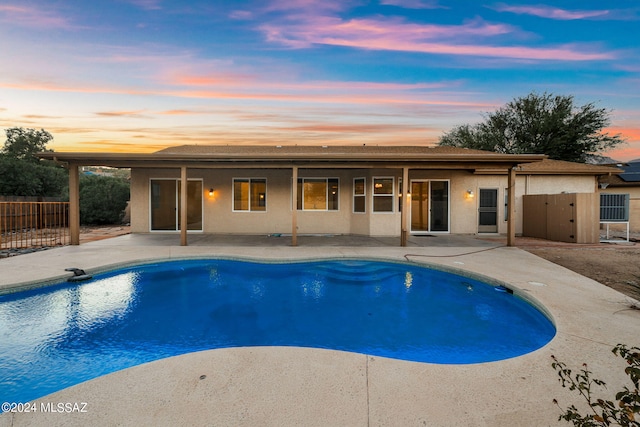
<point x="302" y="386"/>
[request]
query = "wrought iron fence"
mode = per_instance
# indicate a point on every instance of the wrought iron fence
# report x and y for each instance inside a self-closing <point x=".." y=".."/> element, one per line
<point x="33" y="224"/>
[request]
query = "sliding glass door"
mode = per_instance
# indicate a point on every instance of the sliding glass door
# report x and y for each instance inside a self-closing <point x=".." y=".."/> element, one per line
<point x="429" y="206"/>
<point x="165" y="205"/>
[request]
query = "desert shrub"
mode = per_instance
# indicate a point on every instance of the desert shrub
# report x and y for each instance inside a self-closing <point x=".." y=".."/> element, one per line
<point x="102" y="200"/>
<point x="602" y="412"/>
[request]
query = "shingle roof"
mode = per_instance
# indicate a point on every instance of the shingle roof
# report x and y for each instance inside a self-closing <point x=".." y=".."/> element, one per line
<point x="305" y="155"/>
<point x="549" y="166"/>
<point x="347" y="150"/>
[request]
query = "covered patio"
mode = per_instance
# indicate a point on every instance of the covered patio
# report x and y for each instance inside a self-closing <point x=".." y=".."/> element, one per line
<point x="403" y="161"/>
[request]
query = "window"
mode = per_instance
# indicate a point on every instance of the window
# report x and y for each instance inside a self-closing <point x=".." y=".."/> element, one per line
<point x="249" y="194"/>
<point x="318" y="194"/>
<point x="383" y="194"/>
<point x="359" y="196"/>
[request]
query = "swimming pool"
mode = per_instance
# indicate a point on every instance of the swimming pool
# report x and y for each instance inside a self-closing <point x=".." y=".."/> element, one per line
<point x="58" y="336"/>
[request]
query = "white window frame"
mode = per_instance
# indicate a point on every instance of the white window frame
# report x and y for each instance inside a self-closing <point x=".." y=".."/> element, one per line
<point x="391" y="195"/>
<point x="363" y="195"/>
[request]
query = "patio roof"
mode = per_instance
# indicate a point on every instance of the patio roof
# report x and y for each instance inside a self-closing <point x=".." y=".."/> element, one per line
<point x="365" y="156"/>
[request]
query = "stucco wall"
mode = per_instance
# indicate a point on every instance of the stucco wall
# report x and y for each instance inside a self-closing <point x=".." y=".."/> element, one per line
<point x="218" y="215"/>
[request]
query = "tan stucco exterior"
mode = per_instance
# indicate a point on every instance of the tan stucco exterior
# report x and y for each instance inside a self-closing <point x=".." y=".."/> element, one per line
<point x="219" y="217"/>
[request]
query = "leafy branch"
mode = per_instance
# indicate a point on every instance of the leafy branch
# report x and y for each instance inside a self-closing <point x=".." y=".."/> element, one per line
<point x="602" y="412"/>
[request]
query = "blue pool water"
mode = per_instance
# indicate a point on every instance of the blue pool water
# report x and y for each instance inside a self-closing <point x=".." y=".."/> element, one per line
<point x="55" y="337"/>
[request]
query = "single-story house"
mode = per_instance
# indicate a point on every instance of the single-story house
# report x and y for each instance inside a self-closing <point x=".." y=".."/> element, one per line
<point x="357" y="190"/>
<point x="627" y="182"/>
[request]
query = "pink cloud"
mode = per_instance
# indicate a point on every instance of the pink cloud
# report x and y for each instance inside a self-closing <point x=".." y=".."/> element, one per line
<point x="309" y="6"/>
<point x="208" y="80"/>
<point x="33" y="17"/>
<point x="413" y="4"/>
<point x="550" y="12"/>
<point x="387" y="94"/>
<point x="630" y="150"/>
<point x="241" y="14"/>
<point x="54" y="87"/>
<point x="129" y="114"/>
<point x="359" y="128"/>
<point x="250" y="81"/>
<point x="397" y="35"/>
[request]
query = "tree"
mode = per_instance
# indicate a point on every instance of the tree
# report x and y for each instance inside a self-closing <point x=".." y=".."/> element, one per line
<point x="103" y="199"/>
<point x="23" y="144"/>
<point x="23" y="174"/>
<point x="539" y="124"/>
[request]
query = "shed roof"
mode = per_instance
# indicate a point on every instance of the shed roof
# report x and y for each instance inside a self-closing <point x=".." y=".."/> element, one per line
<point x="561" y="167"/>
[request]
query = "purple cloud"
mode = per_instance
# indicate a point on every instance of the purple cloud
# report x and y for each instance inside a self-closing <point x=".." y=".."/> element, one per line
<point x="551" y="12"/>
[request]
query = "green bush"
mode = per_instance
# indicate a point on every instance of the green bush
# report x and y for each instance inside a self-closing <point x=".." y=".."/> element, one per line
<point x="102" y="200"/>
<point x="24" y="178"/>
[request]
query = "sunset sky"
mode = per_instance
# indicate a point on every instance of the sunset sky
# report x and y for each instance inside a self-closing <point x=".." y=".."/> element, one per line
<point x="141" y="75"/>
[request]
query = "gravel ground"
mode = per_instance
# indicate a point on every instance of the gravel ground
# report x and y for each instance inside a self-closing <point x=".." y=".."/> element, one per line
<point x="616" y="265"/>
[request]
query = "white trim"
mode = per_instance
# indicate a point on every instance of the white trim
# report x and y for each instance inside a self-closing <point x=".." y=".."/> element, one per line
<point x="392" y="194"/>
<point x="428" y="230"/>
<point x="363" y="195"/>
<point x="497" y="190"/>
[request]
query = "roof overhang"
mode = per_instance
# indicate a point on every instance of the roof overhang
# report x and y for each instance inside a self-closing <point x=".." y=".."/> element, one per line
<point x="316" y="159"/>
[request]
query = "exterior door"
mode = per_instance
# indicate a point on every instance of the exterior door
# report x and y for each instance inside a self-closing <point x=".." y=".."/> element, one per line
<point x="419" y="206"/>
<point x="439" y="206"/>
<point x="488" y="211"/>
<point x="429" y="206"/>
<point x="165" y="205"/>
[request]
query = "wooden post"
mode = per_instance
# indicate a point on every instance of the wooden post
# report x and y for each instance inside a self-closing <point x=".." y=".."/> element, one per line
<point x="183" y="206"/>
<point x="406" y="205"/>
<point x="294" y="211"/>
<point x="511" y="202"/>
<point x="74" y="204"/>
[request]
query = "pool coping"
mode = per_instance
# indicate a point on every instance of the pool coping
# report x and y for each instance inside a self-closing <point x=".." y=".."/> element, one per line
<point x="300" y="386"/>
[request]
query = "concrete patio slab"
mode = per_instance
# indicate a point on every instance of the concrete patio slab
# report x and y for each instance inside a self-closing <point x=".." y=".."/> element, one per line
<point x="301" y="386"/>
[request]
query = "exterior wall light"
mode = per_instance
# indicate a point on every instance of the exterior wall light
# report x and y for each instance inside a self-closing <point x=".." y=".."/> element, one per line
<point x="469" y="194"/>
<point x="211" y="192"/>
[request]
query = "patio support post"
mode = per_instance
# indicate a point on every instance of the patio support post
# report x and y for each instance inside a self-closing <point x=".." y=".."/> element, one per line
<point x="406" y="205"/>
<point x="183" y="206"/>
<point x="294" y="208"/>
<point x="74" y="204"/>
<point x="511" y="204"/>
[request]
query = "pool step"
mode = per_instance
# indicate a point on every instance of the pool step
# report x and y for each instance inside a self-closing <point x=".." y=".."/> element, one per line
<point x="356" y="272"/>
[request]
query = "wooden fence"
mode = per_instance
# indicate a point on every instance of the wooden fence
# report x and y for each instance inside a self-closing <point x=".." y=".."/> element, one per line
<point x="33" y="224"/>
